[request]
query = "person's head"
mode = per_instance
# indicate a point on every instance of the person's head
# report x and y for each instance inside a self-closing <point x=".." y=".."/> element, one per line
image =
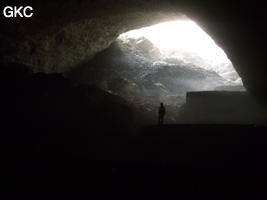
<point x="161" y="104"/>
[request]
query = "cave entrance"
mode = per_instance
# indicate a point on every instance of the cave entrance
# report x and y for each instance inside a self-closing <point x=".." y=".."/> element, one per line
<point x="183" y="42"/>
<point x="176" y="57"/>
<point x="162" y="63"/>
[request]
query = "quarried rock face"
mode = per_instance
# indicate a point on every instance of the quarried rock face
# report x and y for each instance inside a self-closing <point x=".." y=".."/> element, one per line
<point x="222" y="107"/>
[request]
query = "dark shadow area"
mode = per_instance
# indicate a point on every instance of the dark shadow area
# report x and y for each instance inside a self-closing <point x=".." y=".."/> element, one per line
<point x="52" y="101"/>
<point x="193" y="161"/>
<point x="61" y="141"/>
<point x="55" y="135"/>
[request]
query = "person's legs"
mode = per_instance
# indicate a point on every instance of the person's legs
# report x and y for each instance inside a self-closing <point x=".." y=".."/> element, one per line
<point x="160" y="120"/>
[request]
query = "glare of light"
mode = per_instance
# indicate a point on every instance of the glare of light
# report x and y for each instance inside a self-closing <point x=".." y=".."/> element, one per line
<point x="184" y="37"/>
<point x="181" y="36"/>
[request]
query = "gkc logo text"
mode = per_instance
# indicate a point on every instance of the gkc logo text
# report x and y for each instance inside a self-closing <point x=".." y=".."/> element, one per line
<point x="18" y="11"/>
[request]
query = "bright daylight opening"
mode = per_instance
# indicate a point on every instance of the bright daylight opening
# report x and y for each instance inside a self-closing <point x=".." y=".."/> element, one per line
<point x="162" y="63"/>
<point x="184" y="40"/>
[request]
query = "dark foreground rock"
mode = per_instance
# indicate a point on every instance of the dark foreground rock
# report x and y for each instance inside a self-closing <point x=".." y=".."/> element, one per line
<point x="52" y="101"/>
<point x="167" y="162"/>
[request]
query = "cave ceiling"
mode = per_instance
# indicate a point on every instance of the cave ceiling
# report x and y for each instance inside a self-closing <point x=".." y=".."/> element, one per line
<point x="63" y="35"/>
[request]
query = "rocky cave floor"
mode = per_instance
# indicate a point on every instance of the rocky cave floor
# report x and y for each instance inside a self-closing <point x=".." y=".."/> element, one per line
<point x="59" y="140"/>
<point x="169" y="162"/>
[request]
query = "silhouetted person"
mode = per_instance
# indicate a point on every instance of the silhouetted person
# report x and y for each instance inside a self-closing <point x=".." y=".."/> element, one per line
<point x="162" y="112"/>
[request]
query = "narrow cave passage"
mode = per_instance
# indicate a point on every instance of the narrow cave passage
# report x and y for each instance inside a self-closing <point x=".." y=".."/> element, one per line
<point x="161" y="63"/>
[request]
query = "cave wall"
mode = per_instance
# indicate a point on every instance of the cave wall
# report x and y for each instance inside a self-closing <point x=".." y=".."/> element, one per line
<point x="223" y="107"/>
<point x="73" y="36"/>
<point x="64" y="34"/>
